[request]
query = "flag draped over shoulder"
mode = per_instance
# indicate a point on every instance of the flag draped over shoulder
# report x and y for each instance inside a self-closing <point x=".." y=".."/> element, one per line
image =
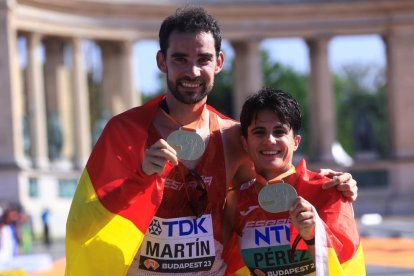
<point x="338" y="250"/>
<point x="114" y="201"/>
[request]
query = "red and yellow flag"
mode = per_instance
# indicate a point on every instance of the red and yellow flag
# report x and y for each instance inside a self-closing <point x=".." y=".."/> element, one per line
<point x="114" y="202"/>
<point x="338" y="249"/>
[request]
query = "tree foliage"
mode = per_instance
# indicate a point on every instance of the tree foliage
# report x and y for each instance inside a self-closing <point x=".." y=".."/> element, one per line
<point x="360" y="101"/>
<point x="221" y="96"/>
<point x="361" y="109"/>
<point x="285" y="78"/>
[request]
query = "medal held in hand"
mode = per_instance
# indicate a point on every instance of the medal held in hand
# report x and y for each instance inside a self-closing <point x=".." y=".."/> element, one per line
<point x="188" y="144"/>
<point x="277" y="198"/>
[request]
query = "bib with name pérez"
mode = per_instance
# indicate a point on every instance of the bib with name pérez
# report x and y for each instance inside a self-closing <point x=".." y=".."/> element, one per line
<point x="264" y="238"/>
<point x="177" y="245"/>
<point x="265" y="248"/>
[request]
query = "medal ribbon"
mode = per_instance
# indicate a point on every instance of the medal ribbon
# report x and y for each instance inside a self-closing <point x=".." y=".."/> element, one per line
<point x="189" y="127"/>
<point x="278" y="178"/>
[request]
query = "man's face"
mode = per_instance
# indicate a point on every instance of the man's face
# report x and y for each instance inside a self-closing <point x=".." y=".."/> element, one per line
<point x="190" y="66"/>
<point x="270" y="144"/>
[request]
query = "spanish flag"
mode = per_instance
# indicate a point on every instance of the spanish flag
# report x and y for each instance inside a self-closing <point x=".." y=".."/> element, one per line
<point x="338" y="249"/>
<point x="114" y="201"/>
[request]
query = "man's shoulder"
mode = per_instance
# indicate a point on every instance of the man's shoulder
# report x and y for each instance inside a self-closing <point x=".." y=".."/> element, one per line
<point x="230" y="128"/>
<point x="221" y="116"/>
<point x="143" y="114"/>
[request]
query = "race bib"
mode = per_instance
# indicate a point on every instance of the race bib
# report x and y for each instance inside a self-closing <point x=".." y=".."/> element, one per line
<point x="178" y="245"/>
<point x="266" y="251"/>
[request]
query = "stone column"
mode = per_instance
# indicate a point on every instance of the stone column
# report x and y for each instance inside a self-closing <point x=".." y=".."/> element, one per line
<point x="11" y="95"/>
<point x="36" y="103"/>
<point x="65" y="103"/>
<point x="400" y="58"/>
<point x="131" y="95"/>
<point x="82" y="130"/>
<point x="322" y="104"/>
<point x="58" y="98"/>
<point x="54" y="59"/>
<point x="400" y="98"/>
<point x="117" y="77"/>
<point x="248" y="77"/>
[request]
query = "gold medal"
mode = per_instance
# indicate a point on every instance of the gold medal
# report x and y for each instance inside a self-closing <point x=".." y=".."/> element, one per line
<point x="277" y="198"/>
<point x="188" y="144"/>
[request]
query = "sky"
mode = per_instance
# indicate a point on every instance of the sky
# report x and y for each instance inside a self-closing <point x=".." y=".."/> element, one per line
<point x="343" y="50"/>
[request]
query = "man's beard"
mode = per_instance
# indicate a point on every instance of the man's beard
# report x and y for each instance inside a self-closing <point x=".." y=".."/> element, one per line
<point x="185" y="98"/>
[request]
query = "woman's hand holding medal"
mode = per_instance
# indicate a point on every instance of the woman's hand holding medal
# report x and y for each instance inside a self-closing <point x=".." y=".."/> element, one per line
<point x="303" y="217"/>
<point x="276" y="196"/>
<point x="282" y="197"/>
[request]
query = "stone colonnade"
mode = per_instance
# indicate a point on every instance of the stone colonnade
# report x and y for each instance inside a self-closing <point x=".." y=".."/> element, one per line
<point x="59" y="90"/>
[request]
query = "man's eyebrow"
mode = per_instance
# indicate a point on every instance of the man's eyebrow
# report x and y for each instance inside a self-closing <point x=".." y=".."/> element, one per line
<point x="178" y="54"/>
<point x="209" y="55"/>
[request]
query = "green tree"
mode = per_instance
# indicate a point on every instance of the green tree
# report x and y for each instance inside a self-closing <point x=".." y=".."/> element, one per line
<point x="221" y="96"/>
<point x="283" y="77"/>
<point x="358" y="90"/>
<point x="361" y="109"/>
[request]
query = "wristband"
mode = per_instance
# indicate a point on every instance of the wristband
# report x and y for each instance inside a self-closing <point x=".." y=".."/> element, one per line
<point x="310" y="242"/>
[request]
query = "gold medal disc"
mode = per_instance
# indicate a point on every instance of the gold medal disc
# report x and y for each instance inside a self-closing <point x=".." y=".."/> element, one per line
<point x="277" y="198"/>
<point x="188" y="144"/>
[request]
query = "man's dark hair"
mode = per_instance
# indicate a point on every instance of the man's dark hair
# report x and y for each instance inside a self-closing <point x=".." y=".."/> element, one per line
<point x="189" y="20"/>
<point x="277" y="101"/>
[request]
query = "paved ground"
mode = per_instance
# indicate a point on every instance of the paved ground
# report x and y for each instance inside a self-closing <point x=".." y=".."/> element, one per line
<point x="388" y="247"/>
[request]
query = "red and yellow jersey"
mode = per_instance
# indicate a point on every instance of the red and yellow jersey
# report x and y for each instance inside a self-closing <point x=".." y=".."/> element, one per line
<point x="115" y="202"/>
<point x="177" y="241"/>
<point x="265" y="239"/>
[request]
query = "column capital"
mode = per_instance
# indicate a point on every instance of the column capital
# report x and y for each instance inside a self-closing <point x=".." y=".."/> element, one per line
<point x="9" y="4"/>
<point x="34" y="37"/>
<point x="251" y="41"/>
<point x="318" y="40"/>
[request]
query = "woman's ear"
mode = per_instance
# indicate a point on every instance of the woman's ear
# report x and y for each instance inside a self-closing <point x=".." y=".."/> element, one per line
<point x="296" y="139"/>
<point x="161" y="63"/>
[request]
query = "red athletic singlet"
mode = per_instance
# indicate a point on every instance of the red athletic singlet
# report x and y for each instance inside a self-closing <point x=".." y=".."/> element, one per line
<point x="177" y="242"/>
<point x="264" y="238"/>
